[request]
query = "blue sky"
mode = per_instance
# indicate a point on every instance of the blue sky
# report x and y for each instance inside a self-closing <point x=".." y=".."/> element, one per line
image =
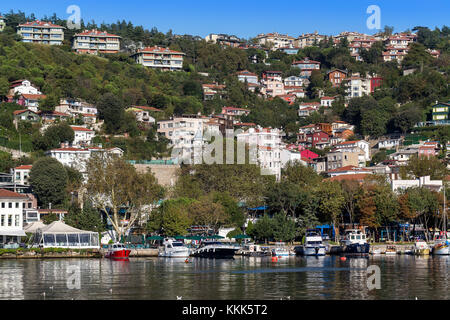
<point x="247" y="18"/>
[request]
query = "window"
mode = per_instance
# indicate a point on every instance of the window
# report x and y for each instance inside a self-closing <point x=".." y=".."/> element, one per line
<point x="3" y="205"/>
<point x="17" y="220"/>
<point x="10" y="205"/>
<point x="17" y="205"/>
<point x="9" y="221"/>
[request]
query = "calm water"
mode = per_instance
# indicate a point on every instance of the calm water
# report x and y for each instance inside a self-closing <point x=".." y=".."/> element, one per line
<point x="402" y="277"/>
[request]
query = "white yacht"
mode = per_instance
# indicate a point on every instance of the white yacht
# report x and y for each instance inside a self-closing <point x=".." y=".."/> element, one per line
<point x="355" y="242"/>
<point x="173" y="249"/>
<point x="313" y="245"/>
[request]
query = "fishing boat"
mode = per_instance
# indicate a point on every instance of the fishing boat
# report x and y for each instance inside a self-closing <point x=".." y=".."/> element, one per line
<point x="173" y="249"/>
<point x="313" y="245"/>
<point x="254" y="250"/>
<point x="421" y="248"/>
<point x="117" y="251"/>
<point x="391" y="251"/>
<point x="215" y="250"/>
<point x="355" y="243"/>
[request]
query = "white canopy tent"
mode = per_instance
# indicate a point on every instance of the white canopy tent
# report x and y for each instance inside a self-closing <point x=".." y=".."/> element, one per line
<point x="34" y="226"/>
<point x="60" y="235"/>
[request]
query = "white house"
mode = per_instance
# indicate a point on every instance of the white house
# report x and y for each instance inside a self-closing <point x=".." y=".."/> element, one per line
<point x="422" y="182"/>
<point x="11" y="216"/>
<point x="83" y="136"/>
<point x="389" y="143"/>
<point x="21" y="174"/>
<point x="248" y="76"/>
<point x="267" y="144"/>
<point x="327" y="102"/>
<point x="291" y="156"/>
<point x="354" y="146"/>
<point x="294" y="81"/>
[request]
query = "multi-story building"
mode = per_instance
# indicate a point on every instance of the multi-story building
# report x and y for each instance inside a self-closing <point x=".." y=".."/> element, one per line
<point x="340" y="159"/>
<point x="224" y="40"/>
<point x="355" y="146"/>
<point x="185" y="133"/>
<point x="290" y="50"/>
<point x="76" y="107"/>
<point x="25" y="94"/>
<point x="21" y="174"/>
<point x="275" y="40"/>
<point x="213" y="90"/>
<point x="336" y="77"/>
<point x="77" y="158"/>
<point x="248" y="76"/>
<point x="327" y="102"/>
<point x="11" y="216"/>
<point x="273" y="84"/>
<point x="267" y="144"/>
<point x="306" y="66"/>
<point x="357" y="86"/>
<point x="441" y="112"/>
<point x="309" y="39"/>
<point x="41" y="32"/>
<point x="95" y="42"/>
<point x="294" y="81"/>
<point x="160" y="58"/>
<point x="83" y="136"/>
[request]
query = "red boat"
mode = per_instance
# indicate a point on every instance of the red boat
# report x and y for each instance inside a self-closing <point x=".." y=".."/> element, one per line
<point x="118" y="251"/>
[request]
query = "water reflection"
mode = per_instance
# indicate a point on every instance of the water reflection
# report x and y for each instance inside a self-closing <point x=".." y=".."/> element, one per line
<point x="402" y="277"/>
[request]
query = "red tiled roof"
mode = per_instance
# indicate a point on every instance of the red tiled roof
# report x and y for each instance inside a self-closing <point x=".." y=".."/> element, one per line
<point x="69" y="149"/>
<point x="235" y="109"/>
<point x="96" y="33"/>
<point x="90" y="115"/>
<point x="56" y="211"/>
<point x="17" y="112"/>
<point x="357" y="177"/>
<point x="157" y="49"/>
<point x="33" y="96"/>
<point x="81" y="129"/>
<point x="246" y="73"/>
<point x="25" y="167"/>
<point x="38" y="23"/>
<point x="9" y="194"/>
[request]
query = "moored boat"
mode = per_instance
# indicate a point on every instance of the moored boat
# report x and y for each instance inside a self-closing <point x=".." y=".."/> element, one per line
<point x="254" y="250"/>
<point x="173" y="249"/>
<point x="313" y="245"/>
<point x="215" y="250"/>
<point x="421" y="248"/>
<point x="391" y="250"/>
<point x="117" y="251"/>
<point x="355" y="243"/>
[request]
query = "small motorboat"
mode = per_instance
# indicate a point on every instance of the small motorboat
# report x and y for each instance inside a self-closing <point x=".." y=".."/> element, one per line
<point x="421" y="248"/>
<point x="313" y="245"/>
<point x="280" y="252"/>
<point x="173" y="249"/>
<point x="254" y="250"/>
<point x="391" y="251"/>
<point x="118" y="251"/>
<point x="375" y="252"/>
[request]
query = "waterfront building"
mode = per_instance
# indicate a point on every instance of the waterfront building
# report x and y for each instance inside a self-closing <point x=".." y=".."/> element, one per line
<point x="11" y="216"/>
<point x="160" y="58"/>
<point x="95" y="42"/>
<point x="41" y="32"/>
<point x="398" y="185"/>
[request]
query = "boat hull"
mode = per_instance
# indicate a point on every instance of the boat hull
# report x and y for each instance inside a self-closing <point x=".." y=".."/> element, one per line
<point x="441" y="249"/>
<point x="118" y="255"/>
<point x="310" y="251"/>
<point x="215" y="253"/>
<point x="177" y="254"/>
<point x="356" y="249"/>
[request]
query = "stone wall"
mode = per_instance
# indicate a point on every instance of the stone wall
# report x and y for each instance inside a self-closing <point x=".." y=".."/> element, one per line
<point x="167" y="175"/>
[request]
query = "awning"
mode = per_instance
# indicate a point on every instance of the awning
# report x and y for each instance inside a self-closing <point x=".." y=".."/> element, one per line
<point x="13" y="233"/>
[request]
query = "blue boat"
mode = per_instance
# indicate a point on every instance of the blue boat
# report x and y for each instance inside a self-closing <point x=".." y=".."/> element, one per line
<point x="355" y="243"/>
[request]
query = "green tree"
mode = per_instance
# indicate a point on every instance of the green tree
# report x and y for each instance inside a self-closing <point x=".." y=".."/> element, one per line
<point x="88" y="218"/>
<point x="48" y="178"/>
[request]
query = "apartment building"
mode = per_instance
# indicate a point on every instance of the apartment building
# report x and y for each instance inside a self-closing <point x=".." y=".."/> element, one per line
<point x="95" y="42"/>
<point x="267" y="144"/>
<point x="273" y="84"/>
<point x="160" y="58"/>
<point x="248" y="76"/>
<point x="306" y="66"/>
<point x="185" y="133"/>
<point x="83" y="136"/>
<point x="356" y="146"/>
<point x="11" y="216"/>
<point x="212" y="90"/>
<point x="41" y="32"/>
<point x="441" y="111"/>
<point x="357" y="86"/>
<point x="341" y="159"/>
<point x="309" y="39"/>
<point x="275" y="40"/>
